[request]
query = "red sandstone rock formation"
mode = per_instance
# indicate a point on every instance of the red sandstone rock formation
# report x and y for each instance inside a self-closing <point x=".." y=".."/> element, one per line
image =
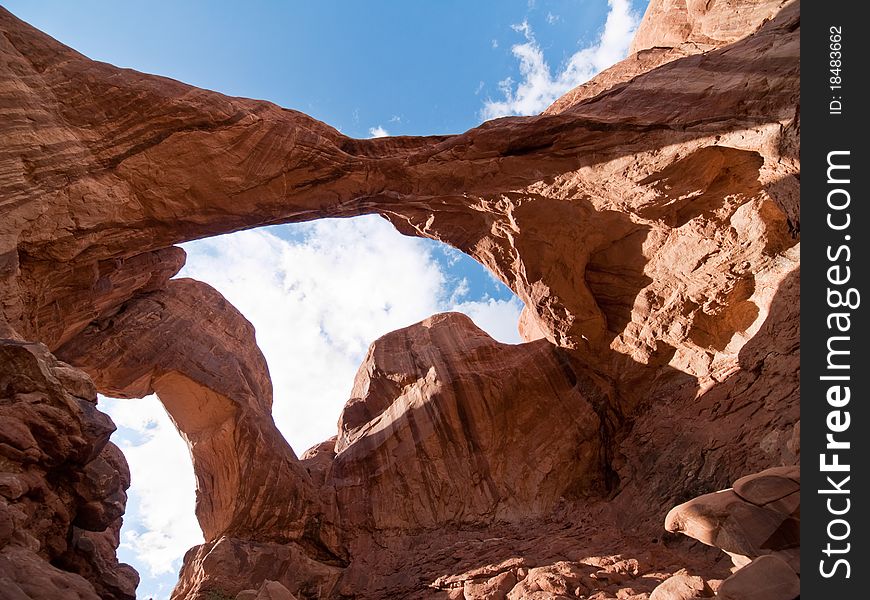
<point x="648" y="219"/>
<point x="757" y="523"/>
<point x="62" y="484"/>
<point x="466" y="430"/>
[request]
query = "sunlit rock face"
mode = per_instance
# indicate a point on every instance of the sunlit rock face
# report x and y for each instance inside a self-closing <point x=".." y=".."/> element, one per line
<point x="649" y="220"/>
<point x="465" y="430"/>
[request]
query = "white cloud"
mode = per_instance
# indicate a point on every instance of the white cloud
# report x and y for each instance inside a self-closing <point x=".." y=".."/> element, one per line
<point x="497" y="317"/>
<point x="160" y="524"/>
<point x="523" y="28"/>
<point x="378" y="131"/>
<point x="317" y="303"/>
<point x="459" y="292"/>
<point x="539" y="87"/>
<point x="452" y="255"/>
<point x="553" y="19"/>
<point x="319" y="298"/>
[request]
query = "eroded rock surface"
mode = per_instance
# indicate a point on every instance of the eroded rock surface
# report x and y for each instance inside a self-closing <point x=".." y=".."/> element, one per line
<point x="765" y="578"/>
<point x="760" y="515"/>
<point x="558" y="206"/>
<point x="62" y="483"/>
<point x="649" y="220"/>
<point x="757" y="523"/>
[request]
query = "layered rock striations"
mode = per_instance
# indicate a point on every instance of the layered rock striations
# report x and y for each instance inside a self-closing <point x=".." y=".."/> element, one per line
<point x="147" y="162"/>
<point x="649" y="220"/>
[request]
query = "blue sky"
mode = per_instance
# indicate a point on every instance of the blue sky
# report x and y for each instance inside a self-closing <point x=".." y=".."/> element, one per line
<point x="320" y="293"/>
<point x="354" y="65"/>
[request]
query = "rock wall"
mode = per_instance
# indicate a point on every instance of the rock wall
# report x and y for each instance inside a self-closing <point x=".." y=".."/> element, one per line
<point x="62" y="484"/>
<point x="649" y="220"/>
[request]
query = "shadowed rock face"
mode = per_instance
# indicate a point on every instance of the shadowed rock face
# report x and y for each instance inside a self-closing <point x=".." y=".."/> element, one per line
<point x="62" y="483"/>
<point x="648" y="220"/>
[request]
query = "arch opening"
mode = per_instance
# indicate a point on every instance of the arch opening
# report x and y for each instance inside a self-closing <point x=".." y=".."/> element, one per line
<point x="318" y="294"/>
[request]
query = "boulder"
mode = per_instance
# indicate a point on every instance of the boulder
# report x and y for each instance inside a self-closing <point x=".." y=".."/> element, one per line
<point x="765" y="578"/>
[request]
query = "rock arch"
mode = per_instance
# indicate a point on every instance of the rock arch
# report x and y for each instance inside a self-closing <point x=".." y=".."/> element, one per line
<point x="650" y="231"/>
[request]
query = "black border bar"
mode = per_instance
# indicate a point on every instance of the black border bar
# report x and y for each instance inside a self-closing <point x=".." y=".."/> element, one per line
<point x="835" y="300"/>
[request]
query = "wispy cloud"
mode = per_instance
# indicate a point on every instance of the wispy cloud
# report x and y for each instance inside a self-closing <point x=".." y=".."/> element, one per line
<point x="523" y="28"/>
<point x="378" y="131"/>
<point x="540" y="87"/>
